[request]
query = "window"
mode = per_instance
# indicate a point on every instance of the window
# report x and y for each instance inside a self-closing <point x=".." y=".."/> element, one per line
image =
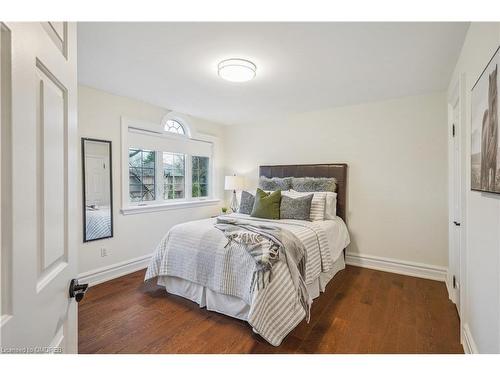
<point x="173" y="175"/>
<point x="171" y="169"/>
<point x="142" y="168"/>
<point x="165" y="167"/>
<point x="199" y="176"/>
<point x="174" y="126"/>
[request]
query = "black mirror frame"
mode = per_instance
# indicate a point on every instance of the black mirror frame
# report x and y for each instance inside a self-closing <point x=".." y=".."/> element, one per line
<point x="83" y="188"/>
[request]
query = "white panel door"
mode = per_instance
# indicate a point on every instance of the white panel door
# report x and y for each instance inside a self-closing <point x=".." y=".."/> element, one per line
<point x="38" y="314"/>
<point x="96" y="181"/>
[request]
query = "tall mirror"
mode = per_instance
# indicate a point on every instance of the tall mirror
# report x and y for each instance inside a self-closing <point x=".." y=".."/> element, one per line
<point x="97" y="190"/>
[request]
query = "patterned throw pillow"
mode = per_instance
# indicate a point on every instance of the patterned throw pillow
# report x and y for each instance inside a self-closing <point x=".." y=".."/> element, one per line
<point x="313" y="184"/>
<point x="318" y="203"/>
<point x="275" y="183"/>
<point x="296" y="208"/>
<point x="246" y="204"/>
<point x="267" y="206"/>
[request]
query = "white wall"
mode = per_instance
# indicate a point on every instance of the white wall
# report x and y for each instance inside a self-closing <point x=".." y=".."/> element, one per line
<point x="481" y="307"/>
<point x="397" y="178"/>
<point x="99" y="116"/>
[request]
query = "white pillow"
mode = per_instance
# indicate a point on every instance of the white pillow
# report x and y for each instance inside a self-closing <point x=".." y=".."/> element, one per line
<point x="318" y="203"/>
<point x="331" y="206"/>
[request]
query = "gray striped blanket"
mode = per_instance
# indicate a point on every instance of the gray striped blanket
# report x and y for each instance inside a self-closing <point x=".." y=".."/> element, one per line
<point x="196" y="251"/>
<point x="267" y="244"/>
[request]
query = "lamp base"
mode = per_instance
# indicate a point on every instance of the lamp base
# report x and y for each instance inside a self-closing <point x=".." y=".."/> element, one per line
<point x="234" y="202"/>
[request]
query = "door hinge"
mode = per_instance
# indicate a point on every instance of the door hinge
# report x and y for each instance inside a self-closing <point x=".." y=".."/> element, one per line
<point x="453" y="130"/>
<point x="454" y="282"/>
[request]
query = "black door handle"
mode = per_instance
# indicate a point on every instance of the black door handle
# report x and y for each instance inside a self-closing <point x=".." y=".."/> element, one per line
<point x="77" y="291"/>
<point x="456" y="223"/>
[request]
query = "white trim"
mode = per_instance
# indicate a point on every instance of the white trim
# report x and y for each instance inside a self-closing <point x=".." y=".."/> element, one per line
<point x="57" y="341"/>
<point x="113" y="271"/>
<point x="124" y="162"/>
<point x="457" y="194"/>
<point x="449" y="287"/>
<point x="132" y="210"/>
<point x="4" y="319"/>
<point x="180" y="119"/>
<point x="468" y="342"/>
<point x="425" y="271"/>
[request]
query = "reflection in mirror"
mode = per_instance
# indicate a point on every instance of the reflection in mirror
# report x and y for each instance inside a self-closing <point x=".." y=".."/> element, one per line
<point x="97" y="190"/>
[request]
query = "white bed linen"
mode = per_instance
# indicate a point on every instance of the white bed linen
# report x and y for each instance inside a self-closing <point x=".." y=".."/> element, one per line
<point x="338" y="238"/>
<point x="233" y="306"/>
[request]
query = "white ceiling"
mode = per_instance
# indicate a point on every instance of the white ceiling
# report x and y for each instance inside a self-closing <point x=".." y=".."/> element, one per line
<point x="300" y="66"/>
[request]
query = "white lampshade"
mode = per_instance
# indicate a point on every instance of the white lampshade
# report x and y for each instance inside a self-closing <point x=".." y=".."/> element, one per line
<point x="234" y="183"/>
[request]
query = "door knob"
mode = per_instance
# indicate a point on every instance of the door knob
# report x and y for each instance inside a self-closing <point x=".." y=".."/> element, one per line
<point x="77" y="291"/>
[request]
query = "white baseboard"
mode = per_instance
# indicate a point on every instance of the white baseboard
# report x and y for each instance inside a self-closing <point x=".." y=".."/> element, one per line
<point x="113" y="271"/>
<point x="468" y="342"/>
<point x="424" y="271"/>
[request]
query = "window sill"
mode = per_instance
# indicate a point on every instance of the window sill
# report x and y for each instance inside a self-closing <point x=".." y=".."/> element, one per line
<point x="132" y="210"/>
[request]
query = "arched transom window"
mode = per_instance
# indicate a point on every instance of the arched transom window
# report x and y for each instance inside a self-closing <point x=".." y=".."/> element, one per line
<point x="175" y="127"/>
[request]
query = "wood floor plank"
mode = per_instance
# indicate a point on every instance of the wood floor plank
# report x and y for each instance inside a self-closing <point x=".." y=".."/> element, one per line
<point x="361" y="311"/>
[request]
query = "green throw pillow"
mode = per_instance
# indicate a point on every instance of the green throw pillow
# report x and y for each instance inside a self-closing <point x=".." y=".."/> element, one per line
<point x="267" y="205"/>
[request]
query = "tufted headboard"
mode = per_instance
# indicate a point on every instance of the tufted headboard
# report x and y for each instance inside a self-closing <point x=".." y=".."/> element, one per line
<point x="339" y="171"/>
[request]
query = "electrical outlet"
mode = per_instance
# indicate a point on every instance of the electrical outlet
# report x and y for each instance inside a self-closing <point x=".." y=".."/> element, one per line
<point x="104" y="252"/>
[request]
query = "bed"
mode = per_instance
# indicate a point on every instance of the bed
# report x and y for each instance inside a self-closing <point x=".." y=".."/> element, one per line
<point x="98" y="222"/>
<point x="272" y="311"/>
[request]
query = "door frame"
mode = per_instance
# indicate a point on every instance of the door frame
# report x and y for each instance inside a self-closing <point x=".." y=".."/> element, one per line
<point x="457" y="98"/>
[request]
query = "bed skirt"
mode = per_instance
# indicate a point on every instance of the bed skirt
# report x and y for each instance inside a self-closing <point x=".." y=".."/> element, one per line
<point x="233" y="306"/>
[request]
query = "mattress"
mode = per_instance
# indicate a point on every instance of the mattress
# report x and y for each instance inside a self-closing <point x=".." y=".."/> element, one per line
<point x="337" y="236"/>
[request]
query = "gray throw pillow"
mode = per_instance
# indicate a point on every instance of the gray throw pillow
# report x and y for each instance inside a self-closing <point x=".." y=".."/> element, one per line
<point x="296" y="208"/>
<point x="246" y="204"/>
<point x="275" y="183"/>
<point x="306" y="184"/>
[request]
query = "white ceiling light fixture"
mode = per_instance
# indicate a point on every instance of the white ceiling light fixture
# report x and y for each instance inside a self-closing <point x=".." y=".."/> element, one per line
<point x="237" y="70"/>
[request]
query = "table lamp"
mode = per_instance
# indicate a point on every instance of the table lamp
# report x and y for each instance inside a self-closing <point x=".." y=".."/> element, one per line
<point x="234" y="183"/>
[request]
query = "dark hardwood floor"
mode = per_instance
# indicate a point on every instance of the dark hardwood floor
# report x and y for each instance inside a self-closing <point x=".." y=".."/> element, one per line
<point x="362" y="311"/>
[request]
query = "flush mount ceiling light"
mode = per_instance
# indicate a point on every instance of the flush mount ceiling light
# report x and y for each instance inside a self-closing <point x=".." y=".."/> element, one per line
<point x="237" y="70"/>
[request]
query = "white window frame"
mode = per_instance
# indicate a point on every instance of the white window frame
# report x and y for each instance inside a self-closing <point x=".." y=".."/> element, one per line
<point x="178" y="124"/>
<point x="180" y="119"/>
<point x="161" y="185"/>
<point x="210" y="190"/>
<point x="159" y="204"/>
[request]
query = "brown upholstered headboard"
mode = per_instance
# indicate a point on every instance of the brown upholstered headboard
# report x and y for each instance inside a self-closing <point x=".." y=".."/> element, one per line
<point x="339" y="171"/>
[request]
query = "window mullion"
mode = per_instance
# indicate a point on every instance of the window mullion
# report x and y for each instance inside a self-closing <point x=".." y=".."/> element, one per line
<point x="210" y="177"/>
<point x="159" y="177"/>
<point x="188" y="180"/>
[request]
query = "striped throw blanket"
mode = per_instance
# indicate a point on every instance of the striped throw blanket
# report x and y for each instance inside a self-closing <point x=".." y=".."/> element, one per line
<point x="196" y="251"/>
<point x="267" y="244"/>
